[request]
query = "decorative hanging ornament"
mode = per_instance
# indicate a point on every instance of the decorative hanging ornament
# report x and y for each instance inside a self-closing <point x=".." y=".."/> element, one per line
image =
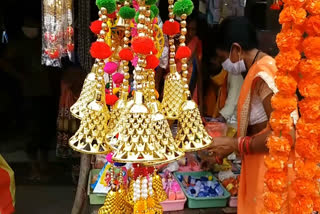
<point x="57" y="32"/>
<point x="86" y="95"/>
<point x="91" y="135"/>
<point x="134" y="142"/>
<point x="191" y="135"/>
<point x="173" y="85"/>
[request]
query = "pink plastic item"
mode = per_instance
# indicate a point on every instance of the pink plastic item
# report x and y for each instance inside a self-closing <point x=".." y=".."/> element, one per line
<point x="233" y="202"/>
<point x="171" y="195"/>
<point x="216" y="129"/>
<point x="173" y="205"/>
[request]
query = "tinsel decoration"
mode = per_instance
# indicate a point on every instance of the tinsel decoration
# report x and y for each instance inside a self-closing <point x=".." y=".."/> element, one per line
<point x="57" y="32"/>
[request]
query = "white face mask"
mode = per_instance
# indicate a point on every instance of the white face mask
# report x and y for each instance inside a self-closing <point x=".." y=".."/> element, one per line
<point x="234" y="68"/>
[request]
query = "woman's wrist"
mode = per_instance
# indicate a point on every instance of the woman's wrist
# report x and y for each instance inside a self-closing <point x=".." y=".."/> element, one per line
<point x="235" y="144"/>
<point x="244" y="145"/>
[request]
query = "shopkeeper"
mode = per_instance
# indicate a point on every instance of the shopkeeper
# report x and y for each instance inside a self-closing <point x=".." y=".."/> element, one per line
<point x="238" y="46"/>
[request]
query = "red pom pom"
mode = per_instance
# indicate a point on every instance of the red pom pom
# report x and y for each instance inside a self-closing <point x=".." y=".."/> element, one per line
<point x="183" y="52"/>
<point x="154" y="51"/>
<point x="96" y="26"/>
<point x="171" y="28"/>
<point x="152" y="62"/>
<point x="112" y="15"/>
<point x="142" y="45"/>
<point x="126" y="54"/>
<point x="111" y="99"/>
<point x="100" y="50"/>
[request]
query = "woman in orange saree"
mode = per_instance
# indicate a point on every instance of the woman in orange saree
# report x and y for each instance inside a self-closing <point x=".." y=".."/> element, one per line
<point x="238" y="46"/>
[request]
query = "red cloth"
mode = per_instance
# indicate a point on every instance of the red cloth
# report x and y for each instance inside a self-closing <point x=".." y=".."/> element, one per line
<point x="6" y="198"/>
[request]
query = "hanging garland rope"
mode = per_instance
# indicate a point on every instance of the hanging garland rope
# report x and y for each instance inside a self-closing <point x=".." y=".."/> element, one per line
<point x="306" y="185"/>
<point x="298" y="64"/>
<point x="284" y="103"/>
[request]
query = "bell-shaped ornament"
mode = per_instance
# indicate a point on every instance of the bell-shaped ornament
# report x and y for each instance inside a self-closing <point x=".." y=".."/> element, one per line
<point x="117" y="118"/>
<point x="172" y="95"/>
<point x="191" y="135"/>
<point x="90" y="137"/>
<point x="162" y="134"/>
<point x="86" y="95"/>
<point x="134" y="143"/>
<point x="120" y="23"/>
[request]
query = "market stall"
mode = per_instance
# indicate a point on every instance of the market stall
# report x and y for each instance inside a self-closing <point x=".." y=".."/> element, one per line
<point x="151" y="157"/>
<point x="140" y="171"/>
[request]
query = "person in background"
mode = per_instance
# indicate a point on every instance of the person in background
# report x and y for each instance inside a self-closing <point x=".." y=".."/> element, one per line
<point x="223" y="92"/>
<point x="67" y="125"/>
<point x="215" y="83"/>
<point x="229" y="111"/>
<point x="23" y="57"/>
<point x="194" y="63"/>
<point x="238" y="47"/>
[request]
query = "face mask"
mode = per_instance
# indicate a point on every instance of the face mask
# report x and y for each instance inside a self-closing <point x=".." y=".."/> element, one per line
<point x="234" y="68"/>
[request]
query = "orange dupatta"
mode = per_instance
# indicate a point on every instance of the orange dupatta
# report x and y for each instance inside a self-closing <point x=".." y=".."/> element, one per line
<point x="251" y="188"/>
<point x="250" y="199"/>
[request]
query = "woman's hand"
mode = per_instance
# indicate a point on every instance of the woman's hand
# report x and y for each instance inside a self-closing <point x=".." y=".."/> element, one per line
<point x="221" y="147"/>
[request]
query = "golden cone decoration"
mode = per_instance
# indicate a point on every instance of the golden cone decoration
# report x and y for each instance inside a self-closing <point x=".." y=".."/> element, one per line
<point x="191" y="135"/>
<point x="86" y="95"/>
<point x="129" y="196"/>
<point x="124" y="205"/>
<point x="172" y="95"/>
<point x="157" y="208"/>
<point x="154" y="206"/>
<point x="158" y="188"/>
<point x="111" y="204"/>
<point x="91" y="135"/>
<point x="140" y="206"/>
<point x="134" y="142"/>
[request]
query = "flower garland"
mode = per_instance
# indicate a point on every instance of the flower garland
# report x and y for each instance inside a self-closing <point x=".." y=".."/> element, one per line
<point x="289" y="42"/>
<point x="306" y="185"/>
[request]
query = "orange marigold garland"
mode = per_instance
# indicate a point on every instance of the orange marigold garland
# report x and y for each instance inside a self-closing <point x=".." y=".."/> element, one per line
<point x="289" y="41"/>
<point x="307" y="147"/>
